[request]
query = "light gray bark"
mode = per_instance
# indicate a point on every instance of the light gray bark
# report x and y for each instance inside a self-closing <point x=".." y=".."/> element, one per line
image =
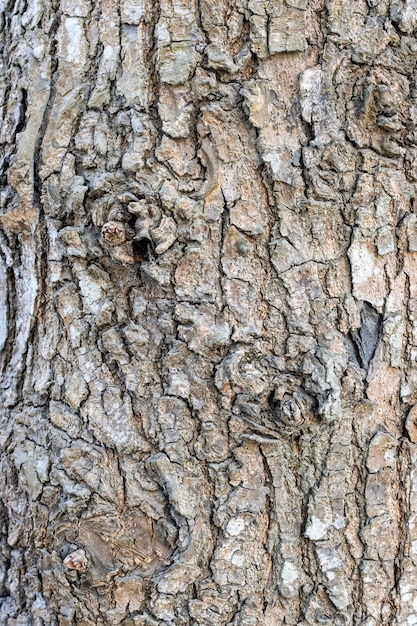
<point x="208" y="315"/>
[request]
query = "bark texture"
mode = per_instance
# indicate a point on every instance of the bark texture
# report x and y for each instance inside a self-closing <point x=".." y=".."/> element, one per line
<point x="209" y="315"/>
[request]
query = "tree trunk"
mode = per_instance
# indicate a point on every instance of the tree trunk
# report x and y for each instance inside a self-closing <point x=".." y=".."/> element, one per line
<point x="208" y="318"/>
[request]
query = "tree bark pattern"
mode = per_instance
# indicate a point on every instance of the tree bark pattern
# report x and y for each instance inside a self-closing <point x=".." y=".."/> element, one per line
<point x="208" y="321"/>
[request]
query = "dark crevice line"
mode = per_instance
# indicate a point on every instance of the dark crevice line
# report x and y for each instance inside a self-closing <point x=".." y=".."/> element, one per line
<point x="21" y="124"/>
<point x="11" y="312"/>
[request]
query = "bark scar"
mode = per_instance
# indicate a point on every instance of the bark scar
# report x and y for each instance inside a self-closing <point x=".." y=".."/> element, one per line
<point x="210" y="160"/>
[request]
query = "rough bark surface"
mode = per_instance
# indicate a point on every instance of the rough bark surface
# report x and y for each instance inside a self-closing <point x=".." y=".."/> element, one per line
<point x="209" y="315"/>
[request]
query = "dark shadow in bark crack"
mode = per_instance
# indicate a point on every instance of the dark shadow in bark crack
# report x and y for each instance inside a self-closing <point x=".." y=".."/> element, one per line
<point x="366" y="338"/>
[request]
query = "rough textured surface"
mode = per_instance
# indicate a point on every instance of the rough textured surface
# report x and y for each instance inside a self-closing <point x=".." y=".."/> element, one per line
<point x="208" y="314"/>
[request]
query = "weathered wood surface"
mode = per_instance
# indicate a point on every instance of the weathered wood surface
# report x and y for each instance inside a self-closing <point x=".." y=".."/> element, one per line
<point x="208" y="314"/>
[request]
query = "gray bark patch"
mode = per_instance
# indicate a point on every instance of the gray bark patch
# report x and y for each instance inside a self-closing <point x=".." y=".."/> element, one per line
<point x="366" y="338"/>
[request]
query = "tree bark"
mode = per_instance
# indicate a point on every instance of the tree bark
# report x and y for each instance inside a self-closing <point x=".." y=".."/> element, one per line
<point x="208" y="318"/>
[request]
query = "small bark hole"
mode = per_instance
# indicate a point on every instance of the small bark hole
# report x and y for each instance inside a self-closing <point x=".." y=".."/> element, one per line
<point x="142" y="250"/>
